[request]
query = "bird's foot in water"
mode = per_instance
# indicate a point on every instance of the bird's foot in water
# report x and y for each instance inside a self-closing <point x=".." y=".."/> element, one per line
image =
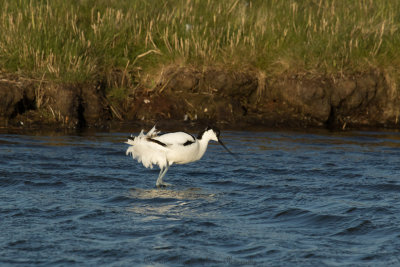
<point x="163" y="185"/>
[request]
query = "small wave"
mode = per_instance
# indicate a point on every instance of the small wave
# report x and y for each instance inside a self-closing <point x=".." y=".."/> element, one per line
<point x="9" y="181"/>
<point x="17" y="243"/>
<point x="182" y="231"/>
<point x="207" y="224"/>
<point x="27" y="212"/>
<point x="197" y="173"/>
<point x="260" y="213"/>
<point x="352" y="175"/>
<point x="53" y="166"/>
<point x="180" y="260"/>
<point x="384" y="187"/>
<point x="290" y="213"/>
<point x="112" y="153"/>
<point x="221" y="182"/>
<point x="381" y="210"/>
<point x="362" y="228"/>
<point x="8" y="210"/>
<point x="44" y="184"/>
<point x="310" y="218"/>
<point x="63" y="262"/>
<point x="119" y="200"/>
<point x="200" y="261"/>
<point x="229" y="183"/>
<point x="101" y="178"/>
<point x="253" y="186"/>
<point x="250" y="251"/>
<point x="93" y="215"/>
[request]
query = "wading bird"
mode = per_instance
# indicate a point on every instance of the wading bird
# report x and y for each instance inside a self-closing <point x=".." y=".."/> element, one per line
<point x="170" y="148"/>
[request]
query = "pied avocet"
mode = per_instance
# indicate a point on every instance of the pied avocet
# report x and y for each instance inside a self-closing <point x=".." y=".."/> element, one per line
<point x="170" y="148"/>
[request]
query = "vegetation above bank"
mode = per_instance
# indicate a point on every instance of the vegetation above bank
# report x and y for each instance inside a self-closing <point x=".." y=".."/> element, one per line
<point x="90" y="39"/>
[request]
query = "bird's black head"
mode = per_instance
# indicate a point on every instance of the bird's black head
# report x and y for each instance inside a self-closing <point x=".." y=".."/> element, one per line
<point x="216" y="133"/>
<point x="215" y="130"/>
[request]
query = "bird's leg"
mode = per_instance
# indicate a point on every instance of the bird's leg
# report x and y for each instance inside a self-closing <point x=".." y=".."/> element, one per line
<point x="160" y="176"/>
<point x="160" y="182"/>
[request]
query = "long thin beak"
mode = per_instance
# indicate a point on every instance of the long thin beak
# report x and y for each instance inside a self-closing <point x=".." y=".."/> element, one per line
<point x="222" y="144"/>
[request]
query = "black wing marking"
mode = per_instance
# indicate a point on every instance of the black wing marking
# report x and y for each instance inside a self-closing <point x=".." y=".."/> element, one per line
<point x="156" y="141"/>
<point x="188" y="142"/>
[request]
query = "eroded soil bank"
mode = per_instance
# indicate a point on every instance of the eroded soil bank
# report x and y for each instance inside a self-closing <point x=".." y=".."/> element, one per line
<point x="229" y="98"/>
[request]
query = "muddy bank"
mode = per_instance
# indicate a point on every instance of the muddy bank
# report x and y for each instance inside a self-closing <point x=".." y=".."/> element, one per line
<point x="230" y="98"/>
<point x="241" y="98"/>
<point x="37" y="104"/>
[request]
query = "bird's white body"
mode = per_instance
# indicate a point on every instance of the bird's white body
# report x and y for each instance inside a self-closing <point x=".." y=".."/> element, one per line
<point x="167" y="149"/>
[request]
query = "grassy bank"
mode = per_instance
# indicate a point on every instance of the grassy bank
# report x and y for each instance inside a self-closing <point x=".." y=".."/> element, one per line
<point x="113" y="40"/>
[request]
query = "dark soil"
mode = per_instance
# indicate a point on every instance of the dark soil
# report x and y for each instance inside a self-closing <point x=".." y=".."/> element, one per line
<point x="229" y="98"/>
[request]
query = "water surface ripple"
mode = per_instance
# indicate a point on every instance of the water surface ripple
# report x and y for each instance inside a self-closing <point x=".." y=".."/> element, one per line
<point x="292" y="198"/>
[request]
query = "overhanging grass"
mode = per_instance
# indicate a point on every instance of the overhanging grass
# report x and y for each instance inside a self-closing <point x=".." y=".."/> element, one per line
<point x="91" y="40"/>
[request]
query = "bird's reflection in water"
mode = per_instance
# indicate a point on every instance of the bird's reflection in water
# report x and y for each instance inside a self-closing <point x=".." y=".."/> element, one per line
<point x="174" y="204"/>
<point x="189" y="193"/>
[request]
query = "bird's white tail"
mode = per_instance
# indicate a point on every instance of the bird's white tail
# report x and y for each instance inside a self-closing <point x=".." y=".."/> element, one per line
<point x="146" y="152"/>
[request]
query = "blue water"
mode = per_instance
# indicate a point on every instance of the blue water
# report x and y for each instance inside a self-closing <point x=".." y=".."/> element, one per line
<point x="292" y="198"/>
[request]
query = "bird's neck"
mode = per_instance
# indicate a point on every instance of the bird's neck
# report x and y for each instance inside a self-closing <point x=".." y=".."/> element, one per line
<point x="203" y="143"/>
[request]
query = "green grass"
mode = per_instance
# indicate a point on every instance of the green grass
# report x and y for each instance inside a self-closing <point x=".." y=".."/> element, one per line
<point x="90" y="40"/>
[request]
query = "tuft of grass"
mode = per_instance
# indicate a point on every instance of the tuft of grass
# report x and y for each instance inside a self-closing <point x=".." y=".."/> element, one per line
<point x="95" y="39"/>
